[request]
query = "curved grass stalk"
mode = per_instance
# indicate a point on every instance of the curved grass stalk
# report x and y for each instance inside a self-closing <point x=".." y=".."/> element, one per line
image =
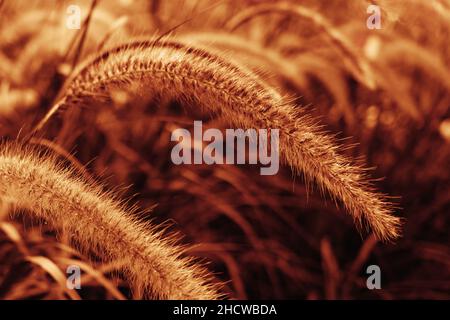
<point x="101" y="224"/>
<point x="197" y="77"/>
<point x="255" y="55"/>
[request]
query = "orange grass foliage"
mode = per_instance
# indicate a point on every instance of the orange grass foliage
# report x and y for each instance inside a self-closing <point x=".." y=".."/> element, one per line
<point x="105" y="98"/>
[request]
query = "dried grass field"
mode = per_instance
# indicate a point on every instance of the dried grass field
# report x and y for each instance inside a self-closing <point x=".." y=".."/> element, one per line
<point x="86" y="174"/>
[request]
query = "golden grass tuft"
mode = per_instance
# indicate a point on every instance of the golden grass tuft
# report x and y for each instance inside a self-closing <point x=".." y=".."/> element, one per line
<point x="100" y="224"/>
<point x="104" y="100"/>
<point x="195" y="75"/>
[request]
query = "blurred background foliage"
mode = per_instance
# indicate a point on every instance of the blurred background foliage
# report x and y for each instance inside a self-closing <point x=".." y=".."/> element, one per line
<point x="383" y="92"/>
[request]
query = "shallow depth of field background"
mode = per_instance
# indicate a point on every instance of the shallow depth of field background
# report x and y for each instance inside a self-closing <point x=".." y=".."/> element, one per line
<point x="266" y="236"/>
